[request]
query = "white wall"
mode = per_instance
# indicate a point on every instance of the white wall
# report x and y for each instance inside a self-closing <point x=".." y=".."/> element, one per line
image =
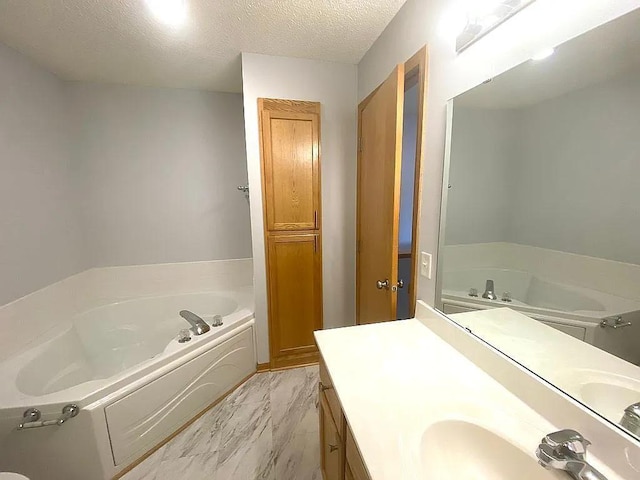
<point x="158" y="171"/>
<point x="481" y="175"/>
<point x="578" y="188"/>
<point x="334" y="86"/>
<point x="40" y="241"/>
<point x="544" y="23"/>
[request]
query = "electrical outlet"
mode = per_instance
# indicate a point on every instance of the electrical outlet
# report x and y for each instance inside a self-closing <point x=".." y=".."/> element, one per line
<point x="425" y="265"/>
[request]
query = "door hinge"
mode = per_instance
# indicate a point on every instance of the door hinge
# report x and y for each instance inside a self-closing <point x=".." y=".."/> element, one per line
<point x="360" y="144"/>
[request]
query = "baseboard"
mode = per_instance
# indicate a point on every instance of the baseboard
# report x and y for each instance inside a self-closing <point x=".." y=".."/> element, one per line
<point x="293" y="361"/>
<point x="264" y="367"/>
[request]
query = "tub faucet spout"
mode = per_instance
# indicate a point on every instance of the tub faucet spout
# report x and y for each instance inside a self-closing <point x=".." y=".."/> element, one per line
<point x="198" y="325"/>
<point x="489" y="291"/>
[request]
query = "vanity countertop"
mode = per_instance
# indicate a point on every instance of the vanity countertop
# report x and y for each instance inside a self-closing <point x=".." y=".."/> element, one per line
<point x="395" y="380"/>
<point x="606" y="383"/>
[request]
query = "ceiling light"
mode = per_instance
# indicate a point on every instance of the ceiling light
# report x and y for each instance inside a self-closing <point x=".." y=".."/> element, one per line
<point x="542" y="54"/>
<point x="169" y="12"/>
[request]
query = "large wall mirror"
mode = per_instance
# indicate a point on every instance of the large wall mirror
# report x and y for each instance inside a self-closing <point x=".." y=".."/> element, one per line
<point x="541" y="244"/>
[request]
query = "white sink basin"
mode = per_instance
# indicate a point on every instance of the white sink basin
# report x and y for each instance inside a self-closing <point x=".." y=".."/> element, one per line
<point x="460" y="450"/>
<point x="608" y="399"/>
<point x="606" y="393"/>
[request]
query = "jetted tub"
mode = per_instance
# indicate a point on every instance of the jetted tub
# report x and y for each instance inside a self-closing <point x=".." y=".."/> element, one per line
<point x="134" y="382"/>
<point x="574" y="310"/>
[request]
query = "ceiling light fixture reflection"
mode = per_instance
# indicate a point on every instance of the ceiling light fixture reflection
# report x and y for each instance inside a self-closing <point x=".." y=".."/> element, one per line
<point x="542" y="54"/>
<point x="169" y="12"/>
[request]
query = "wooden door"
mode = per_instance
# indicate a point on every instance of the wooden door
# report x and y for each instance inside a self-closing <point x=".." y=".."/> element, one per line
<point x="295" y="297"/>
<point x="331" y="445"/>
<point x="379" y="167"/>
<point x="291" y="171"/>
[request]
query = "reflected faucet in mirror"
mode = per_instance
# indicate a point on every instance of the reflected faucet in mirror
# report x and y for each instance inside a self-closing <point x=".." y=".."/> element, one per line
<point x="489" y="291"/>
<point x="631" y="419"/>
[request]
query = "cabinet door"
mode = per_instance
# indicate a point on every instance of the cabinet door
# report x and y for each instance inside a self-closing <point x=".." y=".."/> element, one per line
<point x="295" y="295"/>
<point x="332" y="449"/>
<point x="290" y="152"/>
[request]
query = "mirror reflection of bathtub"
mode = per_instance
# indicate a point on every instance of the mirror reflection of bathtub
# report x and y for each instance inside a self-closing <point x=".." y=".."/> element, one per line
<point x="538" y="288"/>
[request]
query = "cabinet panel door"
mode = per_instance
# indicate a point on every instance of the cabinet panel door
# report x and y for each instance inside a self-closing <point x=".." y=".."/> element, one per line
<point x="290" y="146"/>
<point x="332" y="448"/>
<point x="295" y="293"/>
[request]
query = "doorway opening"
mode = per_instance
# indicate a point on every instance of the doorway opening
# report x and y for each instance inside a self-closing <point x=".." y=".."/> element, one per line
<point x="390" y="139"/>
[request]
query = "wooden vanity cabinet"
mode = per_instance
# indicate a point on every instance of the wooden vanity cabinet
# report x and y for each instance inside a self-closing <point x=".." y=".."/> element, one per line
<point x="340" y="458"/>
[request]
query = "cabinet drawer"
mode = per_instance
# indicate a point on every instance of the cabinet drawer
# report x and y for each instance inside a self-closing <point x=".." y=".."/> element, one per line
<point x="327" y="390"/>
<point x="355" y="464"/>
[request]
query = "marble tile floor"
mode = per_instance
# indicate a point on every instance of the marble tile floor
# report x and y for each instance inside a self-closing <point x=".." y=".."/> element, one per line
<point x="267" y="429"/>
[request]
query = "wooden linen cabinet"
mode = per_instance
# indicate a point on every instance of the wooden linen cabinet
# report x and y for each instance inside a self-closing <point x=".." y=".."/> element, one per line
<point x="290" y="157"/>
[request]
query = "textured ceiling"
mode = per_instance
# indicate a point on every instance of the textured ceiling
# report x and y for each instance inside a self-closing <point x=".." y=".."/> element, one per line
<point x="600" y="54"/>
<point x="120" y="41"/>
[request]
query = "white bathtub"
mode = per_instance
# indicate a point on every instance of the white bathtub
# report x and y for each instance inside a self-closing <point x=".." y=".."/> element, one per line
<point x="134" y="383"/>
<point x="574" y="310"/>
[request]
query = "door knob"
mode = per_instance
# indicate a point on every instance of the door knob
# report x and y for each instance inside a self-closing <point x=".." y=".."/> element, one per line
<point x="400" y="283"/>
<point x="380" y="284"/>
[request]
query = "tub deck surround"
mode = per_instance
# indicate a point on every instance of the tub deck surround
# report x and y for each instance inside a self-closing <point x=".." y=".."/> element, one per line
<point x="545" y="351"/>
<point x="606" y="276"/>
<point x="104" y="349"/>
<point x="535" y="294"/>
<point x="396" y="380"/>
<point x="48" y="310"/>
<point x="114" y="352"/>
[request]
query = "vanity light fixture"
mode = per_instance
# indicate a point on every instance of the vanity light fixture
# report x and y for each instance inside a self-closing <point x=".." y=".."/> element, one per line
<point x="170" y="12"/>
<point x="470" y="20"/>
<point x="542" y="54"/>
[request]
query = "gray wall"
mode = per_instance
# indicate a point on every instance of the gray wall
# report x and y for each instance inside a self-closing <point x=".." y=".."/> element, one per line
<point x="564" y="174"/>
<point x="579" y="180"/>
<point x="483" y="151"/>
<point x="40" y="241"/>
<point x="157" y="171"/>
<point x="102" y="175"/>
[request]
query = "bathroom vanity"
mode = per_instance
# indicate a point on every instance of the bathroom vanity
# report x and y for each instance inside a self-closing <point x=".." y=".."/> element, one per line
<point x="397" y="401"/>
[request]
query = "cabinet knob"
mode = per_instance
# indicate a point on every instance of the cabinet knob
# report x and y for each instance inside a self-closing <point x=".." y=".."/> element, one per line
<point x="333" y="448"/>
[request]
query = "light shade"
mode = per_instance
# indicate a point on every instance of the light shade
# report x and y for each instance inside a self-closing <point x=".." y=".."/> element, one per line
<point x="482" y="16"/>
<point x="169" y="12"/>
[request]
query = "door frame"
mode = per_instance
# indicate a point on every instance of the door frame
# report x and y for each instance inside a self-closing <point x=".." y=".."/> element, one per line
<point x="415" y="73"/>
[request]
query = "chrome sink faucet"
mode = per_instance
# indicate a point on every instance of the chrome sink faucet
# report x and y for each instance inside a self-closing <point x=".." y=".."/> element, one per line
<point x="489" y="291"/>
<point x="198" y="325"/>
<point x="567" y="450"/>
<point x="631" y="418"/>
